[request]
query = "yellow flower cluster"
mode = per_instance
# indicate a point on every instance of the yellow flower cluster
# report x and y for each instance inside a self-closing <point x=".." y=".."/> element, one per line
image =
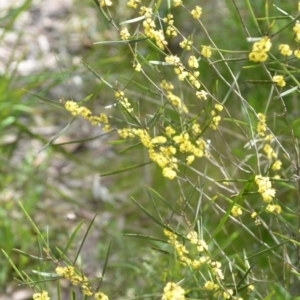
<point x="182" y="252"/>
<point x="202" y="95"/>
<point x="215" y="120"/>
<point x="265" y="188"/>
<point x="160" y="154"/>
<point x="210" y="286"/>
<point x="285" y="50"/>
<point x="40" y="296"/>
<point x="122" y="100"/>
<point x="173" y="60"/>
<point x="100" y="296"/>
<point x="297" y="53"/>
<point x="218" y="293"/>
<point x="261" y="127"/>
<point x="70" y="274"/>
<point x="276" y="165"/>
<point x="196" y="13"/>
<point x="181" y="71"/>
<point x="105" y="3"/>
<point x="133" y="3"/>
<point x="273" y="208"/>
<point x="174" y="100"/>
<point x="124" y="33"/>
<point x="186" y="44"/>
<point x="250" y="288"/>
<point x="186" y="146"/>
<point x="196" y="129"/>
<point x="164" y="155"/>
<point x="215" y="266"/>
<point x="75" y="109"/>
<point x="236" y="211"/>
<point x="296" y="29"/>
<point x="137" y="67"/>
<point x="227" y="294"/>
<point x="170" y="30"/>
<point x="260" y="49"/>
<point x="149" y="28"/>
<point x="257" y="220"/>
<point x="279" y="80"/>
<point x="270" y="152"/>
<point x="168" y="86"/>
<point x="177" y="3"/>
<point x="193" y="62"/>
<point x="206" y="52"/>
<point x="172" y="291"/>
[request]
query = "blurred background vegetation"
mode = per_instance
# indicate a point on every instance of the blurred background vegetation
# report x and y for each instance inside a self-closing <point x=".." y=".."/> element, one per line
<point x="42" y="45"/>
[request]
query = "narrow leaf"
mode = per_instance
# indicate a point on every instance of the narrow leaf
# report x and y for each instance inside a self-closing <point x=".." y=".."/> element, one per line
<point x="125" y="169"/>
<point x="58" y="290"/>
<point x="49" y="101"/>
<point x="133" y="20"/>
<point x="161" y="224"/>
<point x="83" y="240"/>
<point x="246" y="188"/>
<point x="289" y="91"/>
<point x="126" y="42"/>
<point x="105" y="264"/>
<point x="146" y="237"/>
<point x="71" y="239"/>
<point x="245" y="276"/>
<point x="46" y="274"/>
<point x="29" y="255"/>
<point x="164" y="200"/>
<point x="57" y="136"/>
<point x="33" y="224"/>
<point x="269" y="296"/>
<point x="13" y="266"/>
<point x="157" y="62"/>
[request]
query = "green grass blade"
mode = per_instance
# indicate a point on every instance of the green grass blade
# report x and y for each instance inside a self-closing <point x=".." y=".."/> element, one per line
<point x="30" y="255"/>
<point x="126" y="42"/>
<point x="154" y="204"/>
<point x="13" y="266"/>
<point x="135" y="146"/>
<point x="46" y="100"/>
<point x="83" y="240"/>
<point x="105" y="264"/>
<point x="57" y="135"/>
<point x="58" y="290"/>
<point x="269" y="296"/>
<point x="250" y="10"/>
<point x="245" y="276"/>
<point x="163" y="200"/>
<point x="35" y="228"/>
<point x="99" y="77"/>
<point x="133" y="20"/>
<point x="71" y="239"/>
<point x="161" y="224"/>
<point x="146" y="237"/>
<point x="125" y="169"/>
<point x="73" y="295"/>
<point x="226" y="216"/>
<point x="268" y="249"/>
